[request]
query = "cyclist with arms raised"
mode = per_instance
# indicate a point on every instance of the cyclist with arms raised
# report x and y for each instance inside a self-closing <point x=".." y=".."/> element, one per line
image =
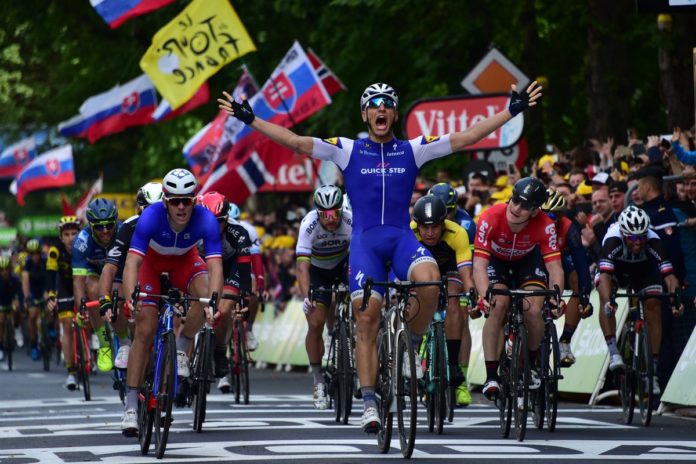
<point x="60" y="286"/>
<point x="165" y="241"/>
<point x="633" y="256"/>
<point x="322" y="261"/>
<point x="380" y="175"/>
<point x="516" y="246"/>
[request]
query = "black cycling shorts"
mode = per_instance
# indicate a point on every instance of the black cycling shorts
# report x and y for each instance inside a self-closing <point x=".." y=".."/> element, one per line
<point x="517" y="274"/>
<point x="319" y="277"/>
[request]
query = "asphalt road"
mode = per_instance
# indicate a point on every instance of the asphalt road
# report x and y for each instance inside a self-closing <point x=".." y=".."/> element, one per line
<point x="40" y="421"/>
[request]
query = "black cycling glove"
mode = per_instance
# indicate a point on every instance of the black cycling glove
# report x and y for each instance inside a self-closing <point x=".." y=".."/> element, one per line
<point x="243" y="111"/>
<point x="518" y="102"/>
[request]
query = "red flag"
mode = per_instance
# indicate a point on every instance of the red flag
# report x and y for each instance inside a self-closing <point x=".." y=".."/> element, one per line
<point x="81" y="209"/>
<point x="68" y="209"/>
<point x="332" y="84"/>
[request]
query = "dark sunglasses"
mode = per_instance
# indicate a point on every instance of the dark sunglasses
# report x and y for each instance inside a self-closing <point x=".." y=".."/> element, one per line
<point x="377" y="101"/>
<point x="522" y="204"/>
<point x="636" y="238"/>
<point x="176" y="201"/>
<point x="104" y="226"/>
<point x="330" y="214"/>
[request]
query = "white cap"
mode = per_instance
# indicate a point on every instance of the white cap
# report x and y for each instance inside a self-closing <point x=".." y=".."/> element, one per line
<point x="461" y="190"/>
<point x="601" y="178"/>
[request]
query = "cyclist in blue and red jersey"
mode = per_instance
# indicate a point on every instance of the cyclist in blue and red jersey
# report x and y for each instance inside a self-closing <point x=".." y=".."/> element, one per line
<point x="380" y="174"/>
<point x="576" y="269"/>
<point x="165" y="240"/>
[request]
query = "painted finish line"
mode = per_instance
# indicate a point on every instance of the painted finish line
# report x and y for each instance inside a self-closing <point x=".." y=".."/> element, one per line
<point x="364" y="449"/>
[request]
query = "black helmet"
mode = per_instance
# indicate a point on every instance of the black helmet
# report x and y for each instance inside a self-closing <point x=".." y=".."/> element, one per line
<point x="446" y="193"/>
<point x="429" y="209"/>
<point x="530" y="192"/>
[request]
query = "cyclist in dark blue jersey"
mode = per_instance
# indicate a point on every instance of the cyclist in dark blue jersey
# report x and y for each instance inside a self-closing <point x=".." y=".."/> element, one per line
<point x="88" y="255"/>
<point x="380" y="174"/>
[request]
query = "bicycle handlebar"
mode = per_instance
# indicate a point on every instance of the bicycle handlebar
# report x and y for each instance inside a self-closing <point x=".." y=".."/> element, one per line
<point x="523" y="293"/>
<point x="174" y="296"/>
<point x="643" y="295"/>
<point x="401" y="286"/>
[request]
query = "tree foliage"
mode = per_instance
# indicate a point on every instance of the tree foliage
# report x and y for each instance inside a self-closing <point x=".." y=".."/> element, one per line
<point x="600" y="60"/>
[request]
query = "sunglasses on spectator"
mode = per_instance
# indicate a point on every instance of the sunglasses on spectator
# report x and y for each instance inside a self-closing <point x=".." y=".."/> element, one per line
<point x="636" y="238"/>
<point x="377" y="101"/>
<point x="176" y="201"/>
<point x="522" y="203"/>
<point x="330" y="214"/>
<point x="104" y="226"/>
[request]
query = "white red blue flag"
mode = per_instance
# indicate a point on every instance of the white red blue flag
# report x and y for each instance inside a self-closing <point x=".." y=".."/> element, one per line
<point x="292" y="94"/>
<point x="203" y="149"/>
<point x="48" y="170"/>
<point x="116" y="12"/>
<point x="16" y="156"/>
<point x="331" y="82"/>
<point x="113" y="111"/>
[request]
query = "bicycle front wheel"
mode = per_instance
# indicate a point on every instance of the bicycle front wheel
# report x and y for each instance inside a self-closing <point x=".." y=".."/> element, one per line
<point x="645" y="376"/>
<point x="552" y="374"/>
<point x="165" y="375"/>
<point x="520" y="378"/>
<point x="505" y="396"/>
<point x="627" y="388"/>
<point x="83" y="361"/>
<point x="244" y="366"/>
<point x="345" y="374"/>
<point x="441" y="378"/>
<point x="385" y="391"/>
<point x="9" y="340"/>
<point x="146" y="415"/>
<point x="45" y="345"/>
<point x="406" y="393"/>
<point x="201" y="371"/>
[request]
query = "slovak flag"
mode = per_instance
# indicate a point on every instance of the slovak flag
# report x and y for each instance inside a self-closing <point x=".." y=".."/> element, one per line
<point x="113" y="111"/>
<point x="49" y="170"/>
<point x="116" y="12"/>
<point x="16" y="156"/>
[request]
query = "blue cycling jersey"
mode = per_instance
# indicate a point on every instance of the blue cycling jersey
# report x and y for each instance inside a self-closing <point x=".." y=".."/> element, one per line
<point x="462" y="218"/>
<point x="87" y="255"/>
<point x="380" y="177"/>
<point x="153" y="231"/>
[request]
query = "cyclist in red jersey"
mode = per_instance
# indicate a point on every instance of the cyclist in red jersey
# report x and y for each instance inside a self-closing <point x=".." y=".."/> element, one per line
<point x="516" y="245"/>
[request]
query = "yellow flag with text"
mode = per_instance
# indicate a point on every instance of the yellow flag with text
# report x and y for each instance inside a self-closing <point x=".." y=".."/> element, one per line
<point x="203" y="38"/>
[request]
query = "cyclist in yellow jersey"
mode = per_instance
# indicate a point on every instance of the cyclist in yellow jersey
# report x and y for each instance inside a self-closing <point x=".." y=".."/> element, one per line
<point x="60" y="286"/>
<point x="448" y="242"/>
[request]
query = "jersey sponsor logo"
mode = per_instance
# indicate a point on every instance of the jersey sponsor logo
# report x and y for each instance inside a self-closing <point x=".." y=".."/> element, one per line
<point x="550" y="230"/>
<point x="311" y="227"/>
<point x="426" y="139"/>
<point x="114" y="253"/>
<point x="387" y="171"/>
<point x="81" y="246"/>
<point x="335" y="141"/>
<point x="483" y="228"/>
<point x="359" y="278"/>
<point x="148" y="287"/>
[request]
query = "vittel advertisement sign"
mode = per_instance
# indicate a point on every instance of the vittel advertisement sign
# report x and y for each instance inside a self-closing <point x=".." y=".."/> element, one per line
<point x="440" y="116"/>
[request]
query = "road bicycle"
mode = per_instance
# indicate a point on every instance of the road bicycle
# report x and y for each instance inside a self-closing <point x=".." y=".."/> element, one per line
<point x="82" y="355"/>
<point x="395" y="392"/>
<point x="637" y="377"/>
<point x="201" y="371"/>
<point x="339" y="373"/>
<point x="160" y="387"/>
<point x="514" y="368"/>
<point x="9" y="343"/>
<point x="544" y="400"/>
<point x="239" y="357"/>
<point x="118" y="375"/>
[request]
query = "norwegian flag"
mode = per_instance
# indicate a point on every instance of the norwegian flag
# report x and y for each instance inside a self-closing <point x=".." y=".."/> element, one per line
<point x="83" y="202"/>
<point x="331" y="82"/>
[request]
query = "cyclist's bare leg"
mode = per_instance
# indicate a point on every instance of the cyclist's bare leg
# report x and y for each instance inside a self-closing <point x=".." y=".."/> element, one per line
<point x="366" y="344"/>
<point x="67" y="342"/>
<point x="92" y="293"/>
<point x="195" y="318"/>
<point x="492" y="333"/>
<point x="454" y="319"/>
<point x="572" y="315"/>
<point x="314" y="342"/>
<point x="653" y="316"/>
<point x="222" y="329"/>
<point x="422" y="308"/>
<point x="607" y="323"/>
<point x="144" y="334"/>
<point x="33" y="324"/>
<point x="533" y="320"/>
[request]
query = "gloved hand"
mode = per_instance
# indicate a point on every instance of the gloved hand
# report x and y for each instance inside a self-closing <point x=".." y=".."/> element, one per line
<point x="520" y="101"/>
<point x="558" y="309"/>
<point x="586" y="308"/>
<point x="241" y="111"/>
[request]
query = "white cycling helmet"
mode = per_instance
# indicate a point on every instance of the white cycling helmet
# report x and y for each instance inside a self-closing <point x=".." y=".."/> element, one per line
<point x="328" y="197"/>
<point x="634" y="221"/>
<point x="179" y="182"/>
<point x="378" y="90"/>
<point x="149" y="194"/>
<point x="234" y="212"/>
